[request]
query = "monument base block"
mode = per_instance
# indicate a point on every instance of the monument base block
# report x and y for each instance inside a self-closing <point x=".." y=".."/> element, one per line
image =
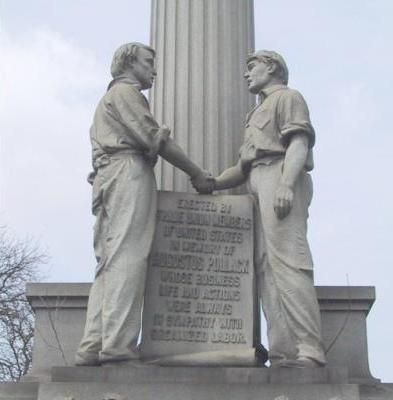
<point x="173" y="391"/>
<point x="172" y="383"/>
<point x="194" y="383"/>
<point x="200" y="375"/>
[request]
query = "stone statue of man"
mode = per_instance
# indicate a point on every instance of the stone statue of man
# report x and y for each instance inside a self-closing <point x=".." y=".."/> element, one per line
<point x="275" y="159"/>
<point x="126" y="140"/>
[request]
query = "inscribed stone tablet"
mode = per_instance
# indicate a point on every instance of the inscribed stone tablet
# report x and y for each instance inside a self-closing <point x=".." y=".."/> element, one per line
<point x="200" y="290"/>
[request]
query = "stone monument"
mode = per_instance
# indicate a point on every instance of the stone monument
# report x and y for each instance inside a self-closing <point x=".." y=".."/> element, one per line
<point x="201" y="48"/>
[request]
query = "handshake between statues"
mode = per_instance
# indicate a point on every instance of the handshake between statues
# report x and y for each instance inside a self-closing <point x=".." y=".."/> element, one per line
<point x="204" y="183"/>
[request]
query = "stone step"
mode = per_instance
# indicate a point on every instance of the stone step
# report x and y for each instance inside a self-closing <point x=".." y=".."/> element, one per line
<point x="18" y="391"/>
<point x="222" y="375"/>
<point x="194" y="391"/>
<point x="382" y="391"/>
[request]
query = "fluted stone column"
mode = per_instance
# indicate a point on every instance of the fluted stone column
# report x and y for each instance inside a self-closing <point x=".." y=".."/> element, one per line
<point x="200" y="92"/>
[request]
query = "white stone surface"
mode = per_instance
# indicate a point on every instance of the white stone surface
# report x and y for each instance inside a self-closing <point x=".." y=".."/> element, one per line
<point x="199" y="292"/>
<point x="200" y="92"/>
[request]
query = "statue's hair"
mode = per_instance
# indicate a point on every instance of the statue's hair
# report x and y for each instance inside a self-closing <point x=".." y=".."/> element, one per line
<point x="125" y="55"/>
<point x="268" y="56"/>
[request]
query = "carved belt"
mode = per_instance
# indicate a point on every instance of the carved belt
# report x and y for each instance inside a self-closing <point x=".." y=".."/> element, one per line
<point x="105" y="159"/>
<point x="267" y="158"/>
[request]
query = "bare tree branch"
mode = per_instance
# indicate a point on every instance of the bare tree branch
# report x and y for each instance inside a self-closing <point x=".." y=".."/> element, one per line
<point x="19" y="263"/>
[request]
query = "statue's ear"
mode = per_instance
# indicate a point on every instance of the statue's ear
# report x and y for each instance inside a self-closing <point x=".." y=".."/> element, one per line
<point x="271" y="67"/>
<point x="131" y="63"/>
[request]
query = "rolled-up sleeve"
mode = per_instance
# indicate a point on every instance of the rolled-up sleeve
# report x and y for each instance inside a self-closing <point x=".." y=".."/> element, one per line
<point x="133" y="112"/>
<point x="293" y="117"/>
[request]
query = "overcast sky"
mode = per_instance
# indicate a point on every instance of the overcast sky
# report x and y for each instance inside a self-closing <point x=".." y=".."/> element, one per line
<point x="55" y="58"/>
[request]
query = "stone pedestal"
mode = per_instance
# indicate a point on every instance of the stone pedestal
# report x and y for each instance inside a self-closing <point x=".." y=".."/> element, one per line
<point x="344" y="311"/>
<point x="200" y="93"/>
<point x="60" y="315"/>
<point x="60" y="312"/>
<point x="172" y="383"/>
<point x="61" y="308"/>
<point x="165" y="383"/>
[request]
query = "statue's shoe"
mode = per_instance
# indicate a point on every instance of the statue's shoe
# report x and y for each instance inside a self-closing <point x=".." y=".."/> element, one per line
<point x="87" y="360"/>
<point x="300" y="362"/>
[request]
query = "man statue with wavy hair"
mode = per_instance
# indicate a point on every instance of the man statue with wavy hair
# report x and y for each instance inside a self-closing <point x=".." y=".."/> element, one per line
<point x="274" y="160"/>
<point x="126" y="141"/>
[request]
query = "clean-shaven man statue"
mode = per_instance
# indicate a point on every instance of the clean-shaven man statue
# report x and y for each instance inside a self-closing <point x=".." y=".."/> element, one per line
<point x="126" y="141"/>
<point x="274" y="161"/>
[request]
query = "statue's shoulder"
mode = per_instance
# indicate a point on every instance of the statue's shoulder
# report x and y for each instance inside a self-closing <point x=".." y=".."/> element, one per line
<point x="294" y="93"/>
<point x="291" y="97"/>
<point x="122" y="92"/>
<point x="290" y="92"/>
<point x="123" y="87"/>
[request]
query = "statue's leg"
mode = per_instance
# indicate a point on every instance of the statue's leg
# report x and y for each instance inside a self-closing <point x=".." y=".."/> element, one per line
<point x="123" y="236"/>
<point x="91" y="343"/>
<point x="130" y="201"/>
<point x="259" y="260"/>
<point x="288" y="295"/>
<point x="281" y="342"/>
<point x="300" y="305"/>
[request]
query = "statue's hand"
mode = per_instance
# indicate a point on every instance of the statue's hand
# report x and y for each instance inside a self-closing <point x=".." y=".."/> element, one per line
<point x="283" y="201"/>
<point x="203" y="183"/>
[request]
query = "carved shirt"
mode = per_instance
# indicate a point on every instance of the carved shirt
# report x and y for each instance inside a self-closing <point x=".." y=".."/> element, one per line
<point x="122" y="122"/>
<point x="271" y="124"/>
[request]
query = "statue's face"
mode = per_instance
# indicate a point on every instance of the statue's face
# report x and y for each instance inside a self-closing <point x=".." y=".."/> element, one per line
<point x="143" y="68"/>
<point x="258" y="75"/>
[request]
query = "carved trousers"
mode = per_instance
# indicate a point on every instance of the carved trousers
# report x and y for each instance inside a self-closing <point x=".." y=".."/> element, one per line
<point x="284" y="269"/>
<point x="125" y="203"/>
